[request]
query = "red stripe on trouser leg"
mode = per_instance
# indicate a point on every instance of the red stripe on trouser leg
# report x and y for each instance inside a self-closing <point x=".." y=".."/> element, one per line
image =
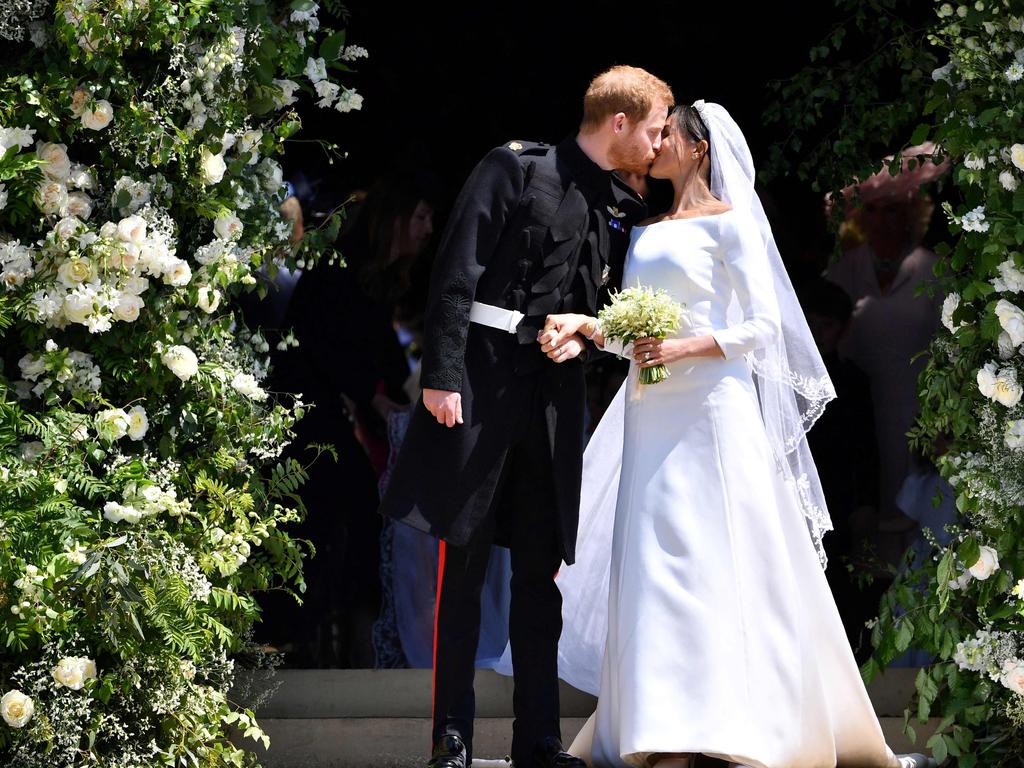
<point x="437" y="614"/>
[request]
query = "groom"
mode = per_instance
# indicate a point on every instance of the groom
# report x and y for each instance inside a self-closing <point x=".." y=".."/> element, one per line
<point x="494" y="449"/>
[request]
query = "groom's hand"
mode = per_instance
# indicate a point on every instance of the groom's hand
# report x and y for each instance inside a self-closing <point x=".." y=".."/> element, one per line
<point x="558" y="329"/>
<point x="444" y="406"/>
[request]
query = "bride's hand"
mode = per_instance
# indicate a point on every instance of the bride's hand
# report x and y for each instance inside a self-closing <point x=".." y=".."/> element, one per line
<point x="559" y="328"/>
<point x="649" y="351"/>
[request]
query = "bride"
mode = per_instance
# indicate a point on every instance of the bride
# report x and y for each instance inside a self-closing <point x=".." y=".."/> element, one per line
<point x="702" y="513"/>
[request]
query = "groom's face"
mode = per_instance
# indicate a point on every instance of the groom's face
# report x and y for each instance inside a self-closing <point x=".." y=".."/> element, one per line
<point x="637" y="143"/>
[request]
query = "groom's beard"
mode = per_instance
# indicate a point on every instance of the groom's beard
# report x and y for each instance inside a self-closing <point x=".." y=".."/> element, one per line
<point x="631" y="156"/>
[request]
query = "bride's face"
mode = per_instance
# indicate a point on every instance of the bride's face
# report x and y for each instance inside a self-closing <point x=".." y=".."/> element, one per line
<point x="676" y="149"/>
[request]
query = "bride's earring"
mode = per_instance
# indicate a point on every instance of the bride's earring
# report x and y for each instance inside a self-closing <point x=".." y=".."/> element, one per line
<point x="694" y="156"/>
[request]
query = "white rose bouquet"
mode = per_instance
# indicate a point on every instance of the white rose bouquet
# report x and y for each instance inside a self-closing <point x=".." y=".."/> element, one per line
<point x="640" y="313"/>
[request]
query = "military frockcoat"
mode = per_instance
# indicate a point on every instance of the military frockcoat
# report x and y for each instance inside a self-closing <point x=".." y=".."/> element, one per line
<point x="536" y="228"/>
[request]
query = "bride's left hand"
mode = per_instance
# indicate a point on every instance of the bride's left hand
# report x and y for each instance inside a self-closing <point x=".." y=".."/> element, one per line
<point x="649" y="352"/>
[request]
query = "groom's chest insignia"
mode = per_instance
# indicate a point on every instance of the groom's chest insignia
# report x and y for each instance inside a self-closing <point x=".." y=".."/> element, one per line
<point x="605" y="274"/>
<point x="615" y="217"/>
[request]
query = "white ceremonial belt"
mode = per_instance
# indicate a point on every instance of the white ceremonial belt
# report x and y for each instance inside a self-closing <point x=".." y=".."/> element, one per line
<point x="495" y="317"/>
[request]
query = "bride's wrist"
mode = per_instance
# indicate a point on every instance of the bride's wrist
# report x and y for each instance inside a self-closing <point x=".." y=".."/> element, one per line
<point x="590" y="328"/>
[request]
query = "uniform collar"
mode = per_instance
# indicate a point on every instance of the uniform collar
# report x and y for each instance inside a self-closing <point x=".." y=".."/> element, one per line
<point x="585" y="171"/>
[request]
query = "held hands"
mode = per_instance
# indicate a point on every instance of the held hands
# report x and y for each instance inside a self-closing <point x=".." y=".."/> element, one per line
<point x="444" y="406"/>
<point x="567" y="350"/>
<point x="561" y="328"/>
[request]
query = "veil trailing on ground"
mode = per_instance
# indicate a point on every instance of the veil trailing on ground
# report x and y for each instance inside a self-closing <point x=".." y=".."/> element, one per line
<point x="793" y="388"/>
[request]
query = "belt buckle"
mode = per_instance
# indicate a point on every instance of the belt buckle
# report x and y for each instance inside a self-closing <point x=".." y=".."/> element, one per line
<point x="514" y="319"/>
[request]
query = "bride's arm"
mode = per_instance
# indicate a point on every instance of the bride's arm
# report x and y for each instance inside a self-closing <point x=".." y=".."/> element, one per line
<point x="750" y="276"/>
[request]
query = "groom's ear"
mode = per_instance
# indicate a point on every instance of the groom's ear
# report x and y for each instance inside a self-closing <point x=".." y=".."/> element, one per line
<point x="619" y="121"/>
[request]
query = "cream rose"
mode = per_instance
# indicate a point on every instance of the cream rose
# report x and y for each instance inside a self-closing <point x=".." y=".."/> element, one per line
<point x="1007" y="390"/>
<point x="52" y="198"/>
<point x="212" y="167"/>
<point x="245" y="384"/>
<point x="177" y="272"/>
<point x="181" y="360"/>
<point x="1011" y="318"/>
<point x="56" y="164"/>
<point x="132" y="230"/>
<point x="1013" y="675"/>
<point x="112" y="424"/>
<point x="79" y="205"/>
<point x="1017" y="155"/>
<point x="75" y="271"/>
<point x="128" y="307"/>
<point x="17" y="709"/>
<point x="99" y="117"/>
<point x="138" y="422"/>
<point x="209" y="299"/>
<point x="116" y="513"/>
<point x="988" y="563"/>
<point x="73" y="672"/>
<point x="227" y="226"/>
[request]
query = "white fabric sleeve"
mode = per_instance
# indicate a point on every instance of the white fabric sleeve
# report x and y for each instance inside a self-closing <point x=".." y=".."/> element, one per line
<point x="750" y="277"/>
<point x="616" y="347"/>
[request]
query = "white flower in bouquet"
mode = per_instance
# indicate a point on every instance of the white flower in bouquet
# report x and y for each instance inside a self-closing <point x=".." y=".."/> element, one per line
<point x="637" y="313"/>
<point x="245" y="384"/>
<point x="1000" y="386"/>
<point x="354" y="52"/>
<point x="209" y="299"/>
<point x="316" y="70"/>
<point x="17" y="709"/>
<point x="974" y="220"/>
<point x="1017" y="155"/>
<point x="79" y="205"/>
<point x="987" y="564"/>
<point x="227" y="226"/>
<point x="349" y="101"/>
<point x="1011" y="279"/>
<point x="1011" y="318"/>
<point x="1012" y="675"/>
<point x="138" y="422"/>
<point x="56" y="164"/>
<point x="67" y="228"/>
<point x="973" y="162"/>
<point x="82" y="178"/>
<point x="287" y="97"/>
<point x="78" y="101"/>
<point x="99" y="116"/>
<point x="949" y="306"/>
<point x="32" y="367"/>
<point x="250" y="142"/>
<point x="79" y="303"/>
<point x="73" y="672"/>
<point x="177" y="272"/>
<point x="1009" y="181"/>
<point x="128" y="307"/>
<point x="1014" y="72"/>
<point x="328" y="92"/>
<point x="116" y="513"/>
<point x="212" y="166"/>
<point x="112" y="424"/>
<point x="19" y="138"/>
<point x="273" y="175"/>
<point x="52" y="197"/>
<point x="181" y="360"/>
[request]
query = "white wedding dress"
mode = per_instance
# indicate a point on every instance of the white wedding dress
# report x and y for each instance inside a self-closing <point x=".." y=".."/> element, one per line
<point x="722" y="635"/>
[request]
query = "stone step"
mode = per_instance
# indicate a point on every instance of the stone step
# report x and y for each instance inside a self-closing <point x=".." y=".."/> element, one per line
<point x="381" y="718"/>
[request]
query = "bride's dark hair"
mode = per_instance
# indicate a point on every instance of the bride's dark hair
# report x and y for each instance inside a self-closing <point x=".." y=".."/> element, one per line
<point x="689" y="122"/>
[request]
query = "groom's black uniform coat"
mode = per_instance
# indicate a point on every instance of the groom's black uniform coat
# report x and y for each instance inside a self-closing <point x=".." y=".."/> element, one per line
<point x="536" y="229"/>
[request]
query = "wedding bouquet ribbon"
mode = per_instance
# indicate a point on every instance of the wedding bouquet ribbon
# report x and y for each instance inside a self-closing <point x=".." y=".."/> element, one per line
<point x="641" y="312"/>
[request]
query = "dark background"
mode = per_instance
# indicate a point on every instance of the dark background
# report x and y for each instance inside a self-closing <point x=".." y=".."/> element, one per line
<point x="445" y="82"/>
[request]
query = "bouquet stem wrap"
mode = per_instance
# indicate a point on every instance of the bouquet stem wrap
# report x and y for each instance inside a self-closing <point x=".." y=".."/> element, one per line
<point x="641" y="312"/>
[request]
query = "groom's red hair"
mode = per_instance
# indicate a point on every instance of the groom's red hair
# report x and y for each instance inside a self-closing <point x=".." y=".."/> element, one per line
<point x="630" y="90"/>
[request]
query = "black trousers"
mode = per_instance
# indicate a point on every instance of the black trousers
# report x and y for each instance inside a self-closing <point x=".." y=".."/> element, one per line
<point x="526" y="507"/>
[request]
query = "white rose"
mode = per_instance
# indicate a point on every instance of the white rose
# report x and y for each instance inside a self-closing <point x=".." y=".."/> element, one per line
<point x="131" y="230"/>
<point x="181" y="360"/>
<point x="79" y="205"/>
<point x="78" y="305"/>
<point x="73" y="671"/>
<point x="988" y="563"/>
<point x="138" y="422"/>
<point x="177" y="272"/>
<point x="227" y="226"/>
<point x="1011" y="318"/>
<point x="273" y="175"/>
<point x="112" y="424"/>
<point x="99" y="117"/>
<point x="128" y="307"/>
<point x="209" y="299"/>
<point x="1017" y="155"/>
<point x="73" y="272"/>
<point x="1007" y="390"/>
<point x="1014" y="435"/>
<point x="67" y="228"/>
<point x="212" y="167"/>
<point x="949" y="306"/>
<point x="245" y="384"/>
<point x="1013" y="675"/>
<point x="115" y="513"/>
<point x="56" y="164"/>
<point x="1007" y="349"/>
<point x="52" y="197"/>
<point x="17" y="709"/>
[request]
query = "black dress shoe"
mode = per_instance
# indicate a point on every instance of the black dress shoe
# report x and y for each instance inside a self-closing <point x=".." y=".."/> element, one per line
<point x="449" y="752"/>
<point x="551" y="754"/>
